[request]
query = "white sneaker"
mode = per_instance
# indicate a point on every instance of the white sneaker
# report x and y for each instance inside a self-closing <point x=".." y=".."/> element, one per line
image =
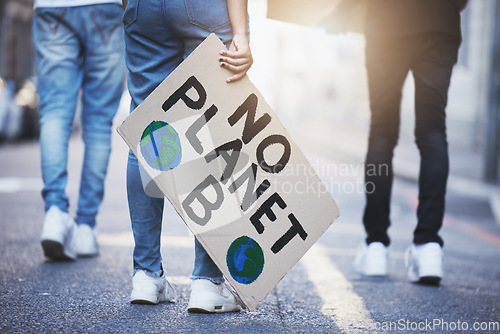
<point x="58" y="235"/>
<point x="371" y="260"/>
<point x="151" y="290"/>
<point x="86" y="242"/>
<point x="208" y="297"/>
<point x="425" y="263"/>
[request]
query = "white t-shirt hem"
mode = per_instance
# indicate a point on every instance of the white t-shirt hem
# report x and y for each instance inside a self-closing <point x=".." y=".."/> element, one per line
<point x="71" y="3"/>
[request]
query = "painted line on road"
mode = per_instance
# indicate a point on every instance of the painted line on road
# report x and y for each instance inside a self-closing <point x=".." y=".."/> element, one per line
<point x="15" y="184"/>
<point x="339" y="300"/>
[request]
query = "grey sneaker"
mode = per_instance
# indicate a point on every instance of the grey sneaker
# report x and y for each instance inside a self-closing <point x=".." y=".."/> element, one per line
<point x="208" y="297"/>
<point x="151" y="290"/>
<point x="425" y="263"/>
<point x="58" y="235"/>
<point x="86" y="242"/>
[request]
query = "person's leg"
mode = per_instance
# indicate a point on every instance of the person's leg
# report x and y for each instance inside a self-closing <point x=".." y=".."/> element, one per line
<point x="193" y="22"/>
<point x="59" y="78"/>
<point x="102" y="88"/>
<point x="146" y="215"/>
<point x="204" y="266"/>
<point x="152" y="53"/>
<point x="387" y="63"/>
<point x="432" y="68"/>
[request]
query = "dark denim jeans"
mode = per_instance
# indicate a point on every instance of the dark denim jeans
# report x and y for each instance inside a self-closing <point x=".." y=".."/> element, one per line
<point x="430" y="57"/>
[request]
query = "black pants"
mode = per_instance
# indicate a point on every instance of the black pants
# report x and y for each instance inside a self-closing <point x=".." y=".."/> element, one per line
<point x="431" y="58"/>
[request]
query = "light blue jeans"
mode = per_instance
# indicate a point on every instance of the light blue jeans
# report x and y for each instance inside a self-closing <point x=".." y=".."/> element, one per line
<point x="78" y="49"/>
<point x="159" y="35"/>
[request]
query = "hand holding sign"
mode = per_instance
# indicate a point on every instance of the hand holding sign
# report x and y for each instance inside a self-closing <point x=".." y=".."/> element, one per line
<point x="223" y="159"/>
<point x="238" y="58"/>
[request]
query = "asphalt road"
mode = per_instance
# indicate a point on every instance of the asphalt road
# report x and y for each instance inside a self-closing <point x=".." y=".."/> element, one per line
<point x="321" y="294"/>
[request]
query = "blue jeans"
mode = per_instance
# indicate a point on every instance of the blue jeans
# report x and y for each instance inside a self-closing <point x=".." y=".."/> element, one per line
<point x="158" y="36"/>
<point x="78" y="49"/>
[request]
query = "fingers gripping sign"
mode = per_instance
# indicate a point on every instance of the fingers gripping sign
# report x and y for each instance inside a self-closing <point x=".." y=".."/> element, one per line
<point x="237" y="59"/>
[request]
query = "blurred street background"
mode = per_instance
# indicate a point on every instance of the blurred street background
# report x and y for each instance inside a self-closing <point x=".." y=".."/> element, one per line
<point x="316" y="83"/>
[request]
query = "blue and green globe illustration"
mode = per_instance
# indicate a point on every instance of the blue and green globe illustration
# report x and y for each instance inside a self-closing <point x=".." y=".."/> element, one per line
<point x="160" y="146"/>
<point x="245" y="260"/>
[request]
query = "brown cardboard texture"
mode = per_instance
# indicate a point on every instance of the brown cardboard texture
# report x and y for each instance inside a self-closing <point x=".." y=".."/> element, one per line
<point x="224" y="160"/>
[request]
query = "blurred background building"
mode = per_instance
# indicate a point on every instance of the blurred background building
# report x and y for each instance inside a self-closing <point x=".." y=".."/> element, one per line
<point x="18" y="102"/>
<point x="317" y="84"/>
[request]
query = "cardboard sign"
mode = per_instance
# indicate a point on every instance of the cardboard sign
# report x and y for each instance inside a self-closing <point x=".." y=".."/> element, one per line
<point x="319" y="12"/>
<point x="223" y="159"/>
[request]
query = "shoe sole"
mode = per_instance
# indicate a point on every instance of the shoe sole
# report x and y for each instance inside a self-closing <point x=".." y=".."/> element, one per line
<point x="429" y="275"/>
<point x="137" y="298"/>
<point x="142" y="302"/>
<point x="199" y="310"/>
<point x="216" y="309"/>
<point x="87" y="254"/>
<point x="54" y="250"/>
<point x="430" y="280"/>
